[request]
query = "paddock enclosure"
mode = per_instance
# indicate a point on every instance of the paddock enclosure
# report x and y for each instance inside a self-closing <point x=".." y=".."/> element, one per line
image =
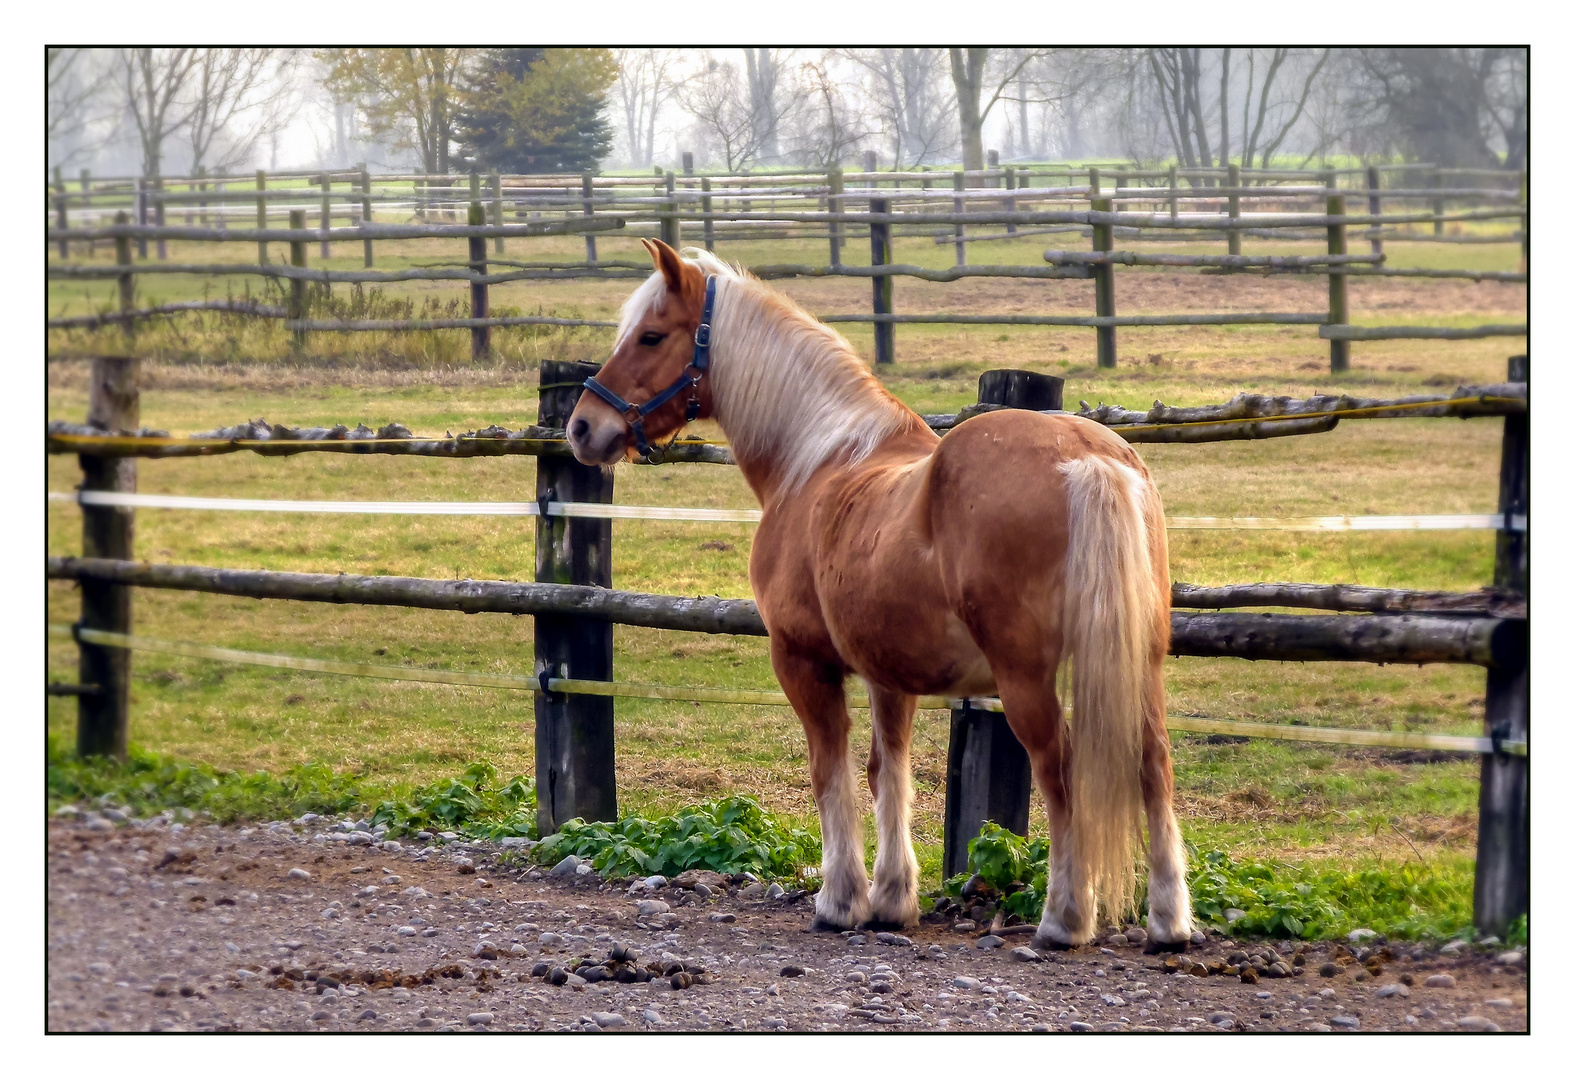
<point x="1315" y="216"/>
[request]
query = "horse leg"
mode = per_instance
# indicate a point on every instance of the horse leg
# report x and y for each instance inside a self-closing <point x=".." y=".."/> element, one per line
<point x="815" y="690"/>
<point x="1169" y="902"/>
<point x="894" y="901"/>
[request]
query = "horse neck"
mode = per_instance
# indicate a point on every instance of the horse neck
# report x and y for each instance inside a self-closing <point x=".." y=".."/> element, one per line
<point x="791" y="394"/>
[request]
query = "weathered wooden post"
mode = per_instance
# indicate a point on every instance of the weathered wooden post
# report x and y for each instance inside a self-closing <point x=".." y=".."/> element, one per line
<point x="1170" y="180"/>
<point x="1339" y="308"/>
<point x="158" y="216"/>
<point x="672" y="232"/>
<point x="834" y="203"/>
<point x="1502" y="891"/>
<point x="495" y="184"/>
<point x="587" y="193"/>
<point x="325" y="219"/>
<point x="959" y="183"/>
<point x="1011" y="203"/>
<point x="575" y="775"/>
<point x="262" y="214"/>
<point x="141" y="200"/>
<point x="870" y="161"/>
<point x="689" y="163"/>
<point x="1525" y="221"/>
<point x="297" y="308"/>
<point x="1438" y="205"/>
<point x="62" y="217"/>
<point x="366" y="215"/>
<point x="992" y="161"/>
<point x="705" y="208"/>
<point x="1104" y="278"/>
<point x="1374" y="208"/>
<point x="881" y="286"/>
<point x="103" y="710"/>
<point x="202" y="203"/>
<point x="1233" y="205"/>
<point x="480" y="336"/>
<point x="123" y="280"/>
<point x="987" y="771"/>
<point x="87" y="201"/>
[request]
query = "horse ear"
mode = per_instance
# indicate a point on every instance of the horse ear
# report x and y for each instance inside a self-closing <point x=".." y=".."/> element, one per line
<point x="668" y="262"/>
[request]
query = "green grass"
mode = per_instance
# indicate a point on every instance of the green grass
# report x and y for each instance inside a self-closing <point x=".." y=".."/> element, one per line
<point x="1323" y="810"/>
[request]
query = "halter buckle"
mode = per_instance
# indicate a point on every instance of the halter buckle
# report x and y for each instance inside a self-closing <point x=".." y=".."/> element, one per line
<point x="703" y="336"/>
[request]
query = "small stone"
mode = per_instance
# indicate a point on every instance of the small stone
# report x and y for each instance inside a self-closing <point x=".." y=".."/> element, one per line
<point x="1025" y="954"/>
<point x="655" y="881"/>
<point x="1279" y="970"/>
<point x="753" y="891"/>
<point x="1451" y="948"/>
<point x="322" y="1014"/>
<point x="517" y="949"/>
<point x="393" y="847"/>
<point x="1510" y="958"/>
<point x="1441" y="981"/>
<point x="405" y="931"/>
<point x="1498" y="1003"/>
<point x="1199" y="938"/>
<point x="966" y="982"/>
<point x="1350" y="1023"/>
<point x="1113" y="999"/>
<point x="965" y="926"/>
<point x="1137" y="935"/>
<point x="606" y="1020"/>
<point x="855" y="939"/>
<point x="1078" y="1025"/>
<point x="565" y="868"/>
<point x="704" y="891"/>
<point x="1221" y="1017"/>
<point x="653" y="907"/>
<point x="547" y="937"/>
<point x="791" y="971"/>
<point x="1389" y="990"/>
<point x="893" y="939"/>
<point x="1234" y="914"/>
<point x="1477" y="1023"/>
<point x="723" y="917"/>
<point x="989" y="941"/>
<point x="479" y="1018"/>
<point x="1119" y="941"/>
<point x="651" y="1016"/>
<point x="585" y="869"/>
<point x="297" y="874"/>
<point x="1361" y="936"/>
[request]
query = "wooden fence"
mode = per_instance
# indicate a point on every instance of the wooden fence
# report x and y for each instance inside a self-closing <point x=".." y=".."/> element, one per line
<point x="1214" y="206"/>
<point x="575" y="607"/>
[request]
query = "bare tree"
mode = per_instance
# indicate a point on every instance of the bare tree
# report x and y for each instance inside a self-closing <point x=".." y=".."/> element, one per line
<point x="228" y="85"/>
<point x="911" y="99"/>
<point x="646" y="79"/>
<point x="828" y="126"/>
<point x="769" y="103"/>
<point x="971" y="75"/>
<point x="1441" y="105"/>
<point x="720" y="104"/>
<point x="155" y="83"/>
<point x="74" y="88"/>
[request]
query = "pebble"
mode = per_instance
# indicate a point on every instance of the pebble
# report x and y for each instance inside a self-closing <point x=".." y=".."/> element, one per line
<point x="479" y="1018"/>
<point x="1453" y="947"/>
<point x="1199" y="938"/>
<point x="893" y="939"/>
<point x="1441" y="981"/>
<point x="652" y="1016"/>
<point x="1024" y="953"/>
<point x="966" y="982"/>
<point x="392" y="847"/>
<point x="566" y="868"/>
<point x="774" y="890"/>
<point x="322" y="1014"/>
<point x="791" y="971"/>
<point x="297" y="874"/>
<point x="406" y="931"/>
<point x="653" y="907"/>
<point x="517" y="949"/>
<point x="751" y="891"/>
<point x="1350" y="1023"/>
<point x="1119" y="940"/>
<point x="989" y="941"/>
<point x="608" y="1020"/>
<point x="1361" y="936"/>
<point x="655" y="881"/>
<point x="724" y="917"/>
<point x="367" y="1014"/>
<point x="585" y="869"/>
<point x="965" y="926"/>
<point x="704" y="891"/>
<point x="1510" y="957"/>
<point x="1112" y="999"/>
<point x="1394" y="990"/>
<point x="1498" y="1003"/>
<point x="1078" y="1025"/>
<point x="1477" y="1023"/>
<point x="547" y="937"/>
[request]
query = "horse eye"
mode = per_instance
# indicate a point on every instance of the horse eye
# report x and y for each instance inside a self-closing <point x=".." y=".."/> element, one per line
<point x="651" y="337"/>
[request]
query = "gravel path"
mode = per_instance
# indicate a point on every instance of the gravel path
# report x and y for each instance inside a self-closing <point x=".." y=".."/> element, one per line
<point x="165" y="927"/>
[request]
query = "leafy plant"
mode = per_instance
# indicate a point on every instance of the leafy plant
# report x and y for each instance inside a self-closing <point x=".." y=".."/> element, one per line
<point x="465" y="804"/>
<point x="729" y="836"/>
<point x="1012" y="865"/>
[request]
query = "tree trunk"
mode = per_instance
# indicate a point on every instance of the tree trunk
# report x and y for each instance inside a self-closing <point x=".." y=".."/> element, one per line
<point x="968" y="78"/>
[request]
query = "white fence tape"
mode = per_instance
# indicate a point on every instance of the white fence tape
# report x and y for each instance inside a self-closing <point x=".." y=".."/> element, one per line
<point x="675" y="513"/>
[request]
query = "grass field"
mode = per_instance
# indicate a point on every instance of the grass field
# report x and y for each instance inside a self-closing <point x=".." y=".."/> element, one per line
<point x="1312" y="805"/>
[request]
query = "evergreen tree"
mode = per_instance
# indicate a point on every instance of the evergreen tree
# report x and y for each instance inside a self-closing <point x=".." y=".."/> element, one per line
<point x="537" y="110"/>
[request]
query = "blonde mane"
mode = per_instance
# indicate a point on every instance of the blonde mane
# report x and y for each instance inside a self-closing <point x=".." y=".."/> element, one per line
<point x="788" y="389"/>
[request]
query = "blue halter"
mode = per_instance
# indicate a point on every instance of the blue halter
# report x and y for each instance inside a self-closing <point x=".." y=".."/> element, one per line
<point x="698" y="365"/>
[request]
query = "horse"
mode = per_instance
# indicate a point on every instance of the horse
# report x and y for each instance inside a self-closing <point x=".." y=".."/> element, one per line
<point x="979" y="563"/>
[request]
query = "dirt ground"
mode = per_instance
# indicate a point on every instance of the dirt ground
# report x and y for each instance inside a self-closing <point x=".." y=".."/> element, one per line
<point x="159" y="927"/>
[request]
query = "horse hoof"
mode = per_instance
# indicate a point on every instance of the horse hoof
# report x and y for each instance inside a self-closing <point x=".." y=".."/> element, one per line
<point x="884" y="924"/>
<point x="1051" y="944"/>
<point x="1152" y="946"/>
<point x="819" y="924"/>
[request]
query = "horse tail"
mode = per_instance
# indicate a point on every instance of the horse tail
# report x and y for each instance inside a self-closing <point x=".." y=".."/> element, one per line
<point x="1115" y="606"/>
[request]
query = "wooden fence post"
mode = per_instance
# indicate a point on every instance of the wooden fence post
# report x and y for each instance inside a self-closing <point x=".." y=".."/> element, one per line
<point x="1011" y="203"/>
<point x="575" y="775"/>
<point x="262" y="215"/>
<point x="1502" y="891"/>
<point x="158" y="216"/>
<point x="326" y="219"/>
<point x="123" y="258"/>
<point x="202" y="204"/>
<point x="870" y="161"/>
<point x="1233" y="204"/>
<point x="959" y="183"/>
<point x="495" y="184"/>
<point x="141" y="207"/>
<point x="689" y="163"/>
<point x="297" y="309"/>
<point x="87" y="201"/>
<point x="1171" y="181"/>
<point x="1438" y="205"/>
<point x="1374" y="207"/>
<point x="672" y="232"/>
<point x="705" y="208"/>
<point x="834" y="202"/>
<point x="62" y="216"/>
<point x="107" y="533"/>
<point x="1104" y="280"/>
<point x="1525" y="222"/>
<point x="992" y="161"/>
<point x="1339" y="308"/>
<point x="480" y="336"/>
<point x="587" y="193"/>
<point x="366" y="214"/>
<point x="987" y="772"/>
<point x="880" y="255"/>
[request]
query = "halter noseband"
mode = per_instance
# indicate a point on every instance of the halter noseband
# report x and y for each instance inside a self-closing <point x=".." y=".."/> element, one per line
<point x="698" y="365"/>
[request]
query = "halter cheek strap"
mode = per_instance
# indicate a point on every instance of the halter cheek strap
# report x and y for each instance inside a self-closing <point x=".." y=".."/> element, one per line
<point x="698" y="365"/>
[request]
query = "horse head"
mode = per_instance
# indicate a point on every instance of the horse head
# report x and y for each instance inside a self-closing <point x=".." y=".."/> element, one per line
<point x="624" y="410"/>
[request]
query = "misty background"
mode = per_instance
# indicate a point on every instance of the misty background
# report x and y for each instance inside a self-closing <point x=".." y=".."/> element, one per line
<point x="182" y="111"/>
